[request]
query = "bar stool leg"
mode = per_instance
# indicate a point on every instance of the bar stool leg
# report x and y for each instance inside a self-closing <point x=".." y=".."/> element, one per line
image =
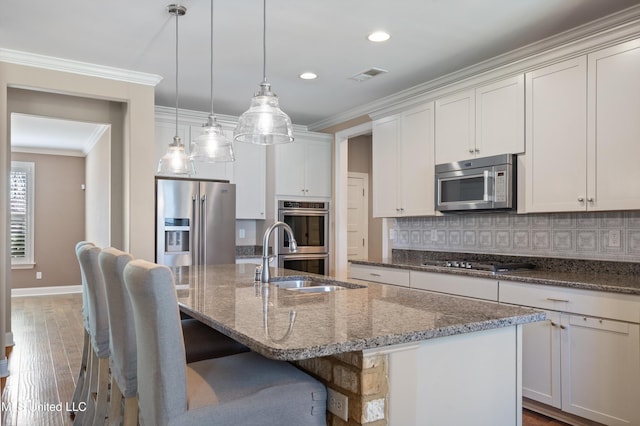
<point x="130" y="411"/>
<point x="88" y="390"/>
<point x="115" y="403"/>
<point x="102" y="392"/>
<point x="80" y="390"/>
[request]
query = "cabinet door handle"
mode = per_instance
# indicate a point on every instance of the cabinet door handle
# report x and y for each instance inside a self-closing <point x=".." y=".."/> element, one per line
<point x="374" y="275"/>
<point x="581" y="199"/>
<point x="552" y="299"/>
<point x="471" y="150"/>
<point x="553" y="324"/>
<point x="590" y="199"/>
<point x="476" y="150"/>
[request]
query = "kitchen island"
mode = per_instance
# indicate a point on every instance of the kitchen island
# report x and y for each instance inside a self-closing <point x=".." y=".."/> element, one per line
<point x="401" y="356"/>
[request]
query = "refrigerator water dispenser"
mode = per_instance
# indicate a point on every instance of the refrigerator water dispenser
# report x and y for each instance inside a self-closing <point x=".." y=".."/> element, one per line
<point x="176" y="235"/>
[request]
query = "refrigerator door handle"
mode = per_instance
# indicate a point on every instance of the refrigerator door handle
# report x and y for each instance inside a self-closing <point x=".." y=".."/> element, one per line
<point x="203" y="230"/>
<point x="195" y="241"/>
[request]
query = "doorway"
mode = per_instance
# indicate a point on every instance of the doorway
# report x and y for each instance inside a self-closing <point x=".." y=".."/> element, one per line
<point x="353" y="154"/>
<point x="358" y="216"/>
<point x="69" y="139"/>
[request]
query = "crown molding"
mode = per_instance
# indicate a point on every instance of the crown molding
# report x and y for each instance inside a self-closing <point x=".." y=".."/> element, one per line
<point x="580" y="40"/>
<point x="97" y="133"/>
<point x="77" y="67"/>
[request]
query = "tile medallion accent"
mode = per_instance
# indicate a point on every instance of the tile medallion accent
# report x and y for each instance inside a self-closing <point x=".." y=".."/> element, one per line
<point x="503" y="239"/>
<point x="563" y="240"/>
<point x="587" y="241"/>
<point x="613" y="236"/>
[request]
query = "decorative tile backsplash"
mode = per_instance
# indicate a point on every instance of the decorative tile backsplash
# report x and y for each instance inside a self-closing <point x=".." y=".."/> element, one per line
<point x="599" y="236"/>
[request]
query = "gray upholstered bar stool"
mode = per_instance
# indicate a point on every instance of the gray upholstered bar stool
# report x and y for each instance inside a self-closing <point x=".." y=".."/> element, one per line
<point x="81" y="382"/>
<point x="201" y="341"/>
<point x="98" y="364"/>
<point x="245" y="389"/>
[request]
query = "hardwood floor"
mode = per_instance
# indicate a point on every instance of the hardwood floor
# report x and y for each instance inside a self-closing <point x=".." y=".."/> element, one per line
<point x="44" y="363"/>
<point x="529" y="418"/>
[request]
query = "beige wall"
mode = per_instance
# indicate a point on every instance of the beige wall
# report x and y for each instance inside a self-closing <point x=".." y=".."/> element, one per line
<point x="136" y="170"/>
<point x="359" y="160"/>
<point x="58" y="220"/>
<point x="98" y="227"/>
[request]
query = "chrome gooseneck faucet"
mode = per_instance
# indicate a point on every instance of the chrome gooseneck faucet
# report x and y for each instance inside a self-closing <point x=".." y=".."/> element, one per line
<point x="293" y="246"/>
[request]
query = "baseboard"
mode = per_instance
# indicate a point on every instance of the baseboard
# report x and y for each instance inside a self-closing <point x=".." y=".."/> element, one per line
<point x="557" y="414"/>
<point x="45" y="291"/>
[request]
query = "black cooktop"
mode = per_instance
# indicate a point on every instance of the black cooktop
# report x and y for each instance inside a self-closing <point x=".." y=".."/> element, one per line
<point x="495" y="267"/>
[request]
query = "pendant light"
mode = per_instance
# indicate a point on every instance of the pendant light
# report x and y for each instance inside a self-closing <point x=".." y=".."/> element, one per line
<point x="212" y="145"/>
<point x="175" y="161"/>
<point x="264" y="123"/>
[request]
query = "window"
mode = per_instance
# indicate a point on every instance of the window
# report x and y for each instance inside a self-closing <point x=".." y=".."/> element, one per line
<point x="21" y="200"/>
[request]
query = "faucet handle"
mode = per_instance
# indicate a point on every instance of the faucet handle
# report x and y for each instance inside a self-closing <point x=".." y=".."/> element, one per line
<point x="258" y="273"/>
<point x="271" y="257"/>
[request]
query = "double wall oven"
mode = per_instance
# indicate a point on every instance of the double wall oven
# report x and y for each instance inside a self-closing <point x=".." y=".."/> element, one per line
<point x="309" y="221"/>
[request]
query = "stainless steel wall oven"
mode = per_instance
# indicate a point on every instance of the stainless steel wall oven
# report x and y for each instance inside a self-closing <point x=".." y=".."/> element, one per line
<point x="309" y="221"/>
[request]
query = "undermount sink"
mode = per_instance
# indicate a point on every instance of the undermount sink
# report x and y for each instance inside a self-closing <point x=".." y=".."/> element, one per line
<point x="311" y="285"/>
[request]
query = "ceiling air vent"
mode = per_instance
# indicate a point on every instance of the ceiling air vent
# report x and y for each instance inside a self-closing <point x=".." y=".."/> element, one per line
<point x="368" y="74"/>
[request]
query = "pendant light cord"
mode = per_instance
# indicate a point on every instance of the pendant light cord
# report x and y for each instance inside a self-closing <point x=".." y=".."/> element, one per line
<point x="264" y="41"/>
<point x="211" y="82"/>
<point x="177" y="15"/>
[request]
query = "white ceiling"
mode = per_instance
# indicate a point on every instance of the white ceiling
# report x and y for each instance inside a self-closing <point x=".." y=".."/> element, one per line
<point x="46" y="135"/>
<point x="429" y="38"/>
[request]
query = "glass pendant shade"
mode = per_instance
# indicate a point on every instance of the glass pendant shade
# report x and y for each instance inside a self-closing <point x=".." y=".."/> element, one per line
<point x="264" y="123"/>
<point x="212" y="146"/>
<point x="175" y="161"/>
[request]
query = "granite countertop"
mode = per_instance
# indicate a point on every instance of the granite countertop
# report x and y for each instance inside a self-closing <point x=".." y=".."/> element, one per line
<point x="586" y="280"/>
<point x="285" y="325"/>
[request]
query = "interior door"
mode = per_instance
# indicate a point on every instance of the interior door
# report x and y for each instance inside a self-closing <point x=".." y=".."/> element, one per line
<point x="357" y="216"/>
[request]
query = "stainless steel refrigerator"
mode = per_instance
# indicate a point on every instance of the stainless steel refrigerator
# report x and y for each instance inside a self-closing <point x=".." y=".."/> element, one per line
<point x="195" y="222"/>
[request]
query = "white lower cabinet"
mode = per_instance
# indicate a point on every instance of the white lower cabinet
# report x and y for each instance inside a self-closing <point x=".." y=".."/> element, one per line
<point x="583" y="364"/>
<point x="541" y="361"/>
<point x="458" y="285"/>
<point x="379" y="274"/>
<point x="600" y="369"/>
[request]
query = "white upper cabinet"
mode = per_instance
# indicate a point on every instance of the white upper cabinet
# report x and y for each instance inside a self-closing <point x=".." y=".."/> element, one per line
<point x="556" y="157"/>
<point x="583" y="132"/>
<point x="303" y="168"/>
<point x="455" y="127"/>
<point x="500" y="117"/>
<point x="249" y="171"/>
<point x="403" y="178"/>
<point x="385" y="179"/>
<point x="613" y="137"/>
<point x="480" y="122"/>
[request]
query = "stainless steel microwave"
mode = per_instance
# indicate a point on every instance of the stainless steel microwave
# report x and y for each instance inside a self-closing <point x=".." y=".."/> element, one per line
<point x="487" y="183"/>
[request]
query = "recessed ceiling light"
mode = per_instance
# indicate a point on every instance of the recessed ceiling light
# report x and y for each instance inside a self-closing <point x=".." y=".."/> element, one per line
<point x="378" y="36"/>
<point x="308" y="76"/>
